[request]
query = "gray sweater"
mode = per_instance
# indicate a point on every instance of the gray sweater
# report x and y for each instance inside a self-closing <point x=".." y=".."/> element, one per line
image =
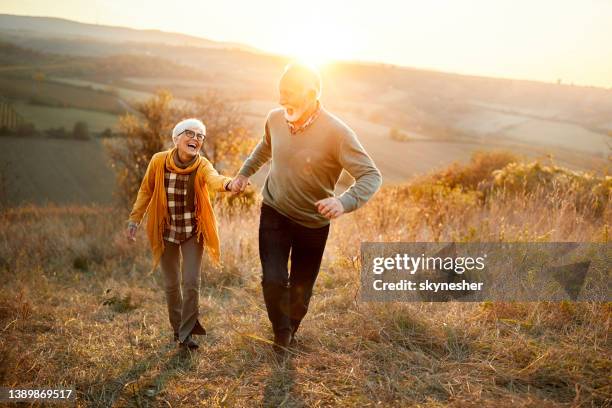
<point x="306" y="166"/>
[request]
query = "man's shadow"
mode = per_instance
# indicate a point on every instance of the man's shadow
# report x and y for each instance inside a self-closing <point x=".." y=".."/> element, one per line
<point x="279" y="388"/>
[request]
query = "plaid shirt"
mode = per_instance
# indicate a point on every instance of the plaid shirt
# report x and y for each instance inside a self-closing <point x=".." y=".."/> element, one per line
<point x="182" y="219"/>
<point x="297" y="129"/>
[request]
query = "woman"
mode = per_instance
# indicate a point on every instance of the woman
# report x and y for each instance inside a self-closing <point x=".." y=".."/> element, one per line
<point x="174" y="194"/>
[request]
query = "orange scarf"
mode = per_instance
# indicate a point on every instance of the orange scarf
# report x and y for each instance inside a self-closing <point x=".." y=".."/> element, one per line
<point x="206" y="224"/>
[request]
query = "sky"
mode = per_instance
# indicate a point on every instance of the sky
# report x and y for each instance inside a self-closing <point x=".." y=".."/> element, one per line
<point x="540" y="40"/>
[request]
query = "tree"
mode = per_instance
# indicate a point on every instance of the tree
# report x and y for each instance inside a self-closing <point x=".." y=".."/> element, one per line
<point x="396" y="134"/>
<point x="80" y="131"/>
<point x="140" y="137"/>
<point x="106" y="133"/>
<point x="227" y="140"/>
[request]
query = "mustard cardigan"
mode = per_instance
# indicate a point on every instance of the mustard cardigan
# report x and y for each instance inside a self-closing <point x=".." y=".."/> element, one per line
<point x="152" y="200"/>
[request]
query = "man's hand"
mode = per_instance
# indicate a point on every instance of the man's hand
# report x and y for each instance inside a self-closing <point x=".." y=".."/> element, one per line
<point x="239" y="184"/>
<point x="330" y="207"/>
<point x="131" y="232"/>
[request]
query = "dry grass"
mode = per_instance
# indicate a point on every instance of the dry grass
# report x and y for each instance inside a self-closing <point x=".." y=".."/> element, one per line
<point x="79" y="307"/>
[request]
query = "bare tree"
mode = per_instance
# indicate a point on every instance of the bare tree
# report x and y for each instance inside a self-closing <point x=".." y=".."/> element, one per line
<point x="148" y="132"/>
<point x="228" y="139"/>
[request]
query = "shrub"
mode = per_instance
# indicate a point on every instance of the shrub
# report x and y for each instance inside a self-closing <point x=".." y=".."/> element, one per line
<point x="398" y="135"/>
<point x="479" y="171"/>
<point x="26" y="130"/>
<point x="589" y="193"/>
<point x="226" y="145"/>
<point x="80" y="131"/>
<point x="106" y="133"/>
<point x="451" y="202"/>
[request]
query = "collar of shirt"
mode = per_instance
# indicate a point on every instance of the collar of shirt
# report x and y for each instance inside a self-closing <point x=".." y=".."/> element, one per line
<point x="297" y="129"/>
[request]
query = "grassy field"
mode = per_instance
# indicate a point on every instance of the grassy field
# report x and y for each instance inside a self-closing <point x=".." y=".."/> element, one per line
<point x="44" y="117"/>
<point x="58" y="171"/>
<point x="55" y="94"/>
<point x="48" y="104"/>
<point x="80" y="306"/>
<point x="124" y="93"/>
<point x="65" y="176"/>
<point x="528" y="129"/>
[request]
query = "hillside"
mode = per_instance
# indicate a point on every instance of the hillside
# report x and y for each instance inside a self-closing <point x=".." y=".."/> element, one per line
<point x="58" y="171"/>
<point x="57" y="73"/>
<point x="78" y="294"/>
<point x="62" y="28"/>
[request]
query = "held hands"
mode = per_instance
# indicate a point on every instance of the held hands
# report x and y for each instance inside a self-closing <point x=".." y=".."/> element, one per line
<point x="330" y="207"/>
<point x="239" y="184"/>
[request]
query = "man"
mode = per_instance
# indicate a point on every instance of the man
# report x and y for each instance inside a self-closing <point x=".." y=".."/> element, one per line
<point x="308" y="147"/>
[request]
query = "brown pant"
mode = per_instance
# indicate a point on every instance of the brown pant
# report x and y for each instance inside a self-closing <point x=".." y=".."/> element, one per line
<point x="183" y="304"/>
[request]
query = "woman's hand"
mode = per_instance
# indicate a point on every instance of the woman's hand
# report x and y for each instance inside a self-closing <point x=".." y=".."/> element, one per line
<point x="131" y="232"/>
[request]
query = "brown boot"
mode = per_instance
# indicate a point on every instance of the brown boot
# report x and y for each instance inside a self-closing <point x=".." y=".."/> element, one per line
<point x="189" y="343"/>
<point x="282" y="340"/>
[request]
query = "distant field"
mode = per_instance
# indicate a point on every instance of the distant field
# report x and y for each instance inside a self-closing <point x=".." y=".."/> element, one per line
<point x="57" y="171"/>
<point x="370" y="114"/>
<point x="164" y="81"/>
<point x="124" y="93"/>
<point x="399" y="161"/>
<point x="487" y="125"/>
<point x="44" y="117"/>
<point x="68" y="171"/>
<point x="59" y="95"/>
<point x="564" y="135"/>
<point x="520" y="126"/>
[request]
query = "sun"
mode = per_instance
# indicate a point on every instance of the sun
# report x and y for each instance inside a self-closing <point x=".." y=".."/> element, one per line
<point x="317" y="47"/>
<point x="315" y="59"/>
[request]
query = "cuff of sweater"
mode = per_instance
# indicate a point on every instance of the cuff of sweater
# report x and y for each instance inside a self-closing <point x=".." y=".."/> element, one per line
<point x="349" y="203"/>
<point x="246" y="172"/>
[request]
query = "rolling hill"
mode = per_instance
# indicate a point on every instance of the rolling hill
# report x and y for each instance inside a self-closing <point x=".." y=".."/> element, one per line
<point x="444" y="116"/>
<point x="62" y="28"/>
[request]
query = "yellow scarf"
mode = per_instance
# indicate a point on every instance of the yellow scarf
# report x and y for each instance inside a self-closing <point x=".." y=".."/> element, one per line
<point x="206" y="224"/>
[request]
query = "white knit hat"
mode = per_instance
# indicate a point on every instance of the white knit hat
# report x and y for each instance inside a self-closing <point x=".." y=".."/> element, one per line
<point x="186" y="124"/>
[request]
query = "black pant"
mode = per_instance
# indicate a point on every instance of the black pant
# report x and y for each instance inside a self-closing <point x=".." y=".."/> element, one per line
<point x="287" y="295"/>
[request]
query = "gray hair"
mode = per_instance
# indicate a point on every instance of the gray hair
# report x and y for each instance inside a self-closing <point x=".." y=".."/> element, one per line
<point x="186" y="124"/>
<point x="307" y="74"/>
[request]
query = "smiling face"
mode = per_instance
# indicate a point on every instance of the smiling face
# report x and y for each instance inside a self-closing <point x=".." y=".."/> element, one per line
<point x="188" y="147"/>
<point x="297" y="95"/>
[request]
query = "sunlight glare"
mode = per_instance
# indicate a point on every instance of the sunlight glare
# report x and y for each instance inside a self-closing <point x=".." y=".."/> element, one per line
<point x="319" y="47"/>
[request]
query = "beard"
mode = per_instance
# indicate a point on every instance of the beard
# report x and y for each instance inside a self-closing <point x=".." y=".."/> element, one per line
<point x="292" y="114"/>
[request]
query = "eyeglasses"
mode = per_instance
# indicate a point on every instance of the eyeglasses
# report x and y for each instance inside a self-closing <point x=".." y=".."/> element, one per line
<point x="191" y="134"/>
